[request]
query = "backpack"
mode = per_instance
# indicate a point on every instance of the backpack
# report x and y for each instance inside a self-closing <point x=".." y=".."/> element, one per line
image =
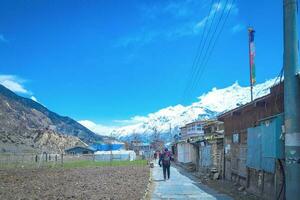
<point x="166" y="158"/>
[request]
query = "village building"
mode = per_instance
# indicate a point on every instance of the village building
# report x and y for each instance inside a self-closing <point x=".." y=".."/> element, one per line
<point x="186" y="151"/>
<point x="79" y="150"/>
<point x="116" y="155"/>
<point x="157" y="145"/>
<point x="192" y="130"/>
<point x="211" y="149"/>
<point x="254" y="146"/>
<point x="140" y="148"/>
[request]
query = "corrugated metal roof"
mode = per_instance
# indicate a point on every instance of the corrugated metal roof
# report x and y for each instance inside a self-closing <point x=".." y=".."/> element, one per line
<point x="243" y="106"/>
<point x="222" y="115"/>
<point x="87" y="148"/>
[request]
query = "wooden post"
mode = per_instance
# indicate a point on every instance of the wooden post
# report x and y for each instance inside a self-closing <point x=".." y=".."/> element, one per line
<point x="62" y="159"/>
<point x="224" y="160"/>
<point x="275" y="179"/>
<point x="7" y="159"/>
<point x="248" y="177"/>
<point x="220" y="168"/>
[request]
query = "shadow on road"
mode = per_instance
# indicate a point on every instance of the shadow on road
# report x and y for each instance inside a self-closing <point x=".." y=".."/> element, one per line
<point x="205" y="188"/>
<point x="158" y="180"/>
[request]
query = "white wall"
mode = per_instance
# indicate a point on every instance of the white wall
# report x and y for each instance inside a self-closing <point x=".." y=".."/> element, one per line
<point x="186" y="153"/>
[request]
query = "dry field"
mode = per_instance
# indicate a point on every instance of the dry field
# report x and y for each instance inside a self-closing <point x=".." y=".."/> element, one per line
<point x="105" y="182"/>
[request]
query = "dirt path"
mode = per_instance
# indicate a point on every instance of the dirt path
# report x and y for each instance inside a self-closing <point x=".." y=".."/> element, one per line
<point x="126" y="182"/>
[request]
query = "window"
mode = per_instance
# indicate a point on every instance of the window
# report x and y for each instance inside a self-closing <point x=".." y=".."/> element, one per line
<point x="199" y="127"/>
<point x="236" y="138"/>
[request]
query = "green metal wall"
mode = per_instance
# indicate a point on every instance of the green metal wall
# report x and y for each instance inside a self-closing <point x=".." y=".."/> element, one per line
<point x="265" y="144"/>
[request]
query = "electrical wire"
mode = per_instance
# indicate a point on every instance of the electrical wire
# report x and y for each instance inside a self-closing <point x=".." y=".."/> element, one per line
<point x="210" y="48"/>
<point x="205" y="60"/>
<point x="198" y="52"/>
<point x="191" y="80"/>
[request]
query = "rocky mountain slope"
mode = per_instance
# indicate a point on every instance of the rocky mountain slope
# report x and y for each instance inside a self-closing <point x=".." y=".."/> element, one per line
<point x="27" y="125"/>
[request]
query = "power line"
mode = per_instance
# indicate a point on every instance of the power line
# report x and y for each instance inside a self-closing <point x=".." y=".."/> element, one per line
<point x="201" y="67"/>
<point x="191" y="74"/>
<point x="205" y="60"/>
<point x="197" y="58"/>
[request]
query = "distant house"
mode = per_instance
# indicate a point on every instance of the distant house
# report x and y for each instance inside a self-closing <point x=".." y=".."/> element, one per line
<point x="79" y="150"/>
<point x="192" y="130"/>
<point x="157" y="145"/>
<point x="185" y="151"/>
<point x="140" y="148"/>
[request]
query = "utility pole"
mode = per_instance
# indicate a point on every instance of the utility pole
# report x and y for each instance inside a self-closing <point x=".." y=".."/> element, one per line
<point x="291" y="100"/>
<point x="111" y="146"/>
<point x="170" y="132"/>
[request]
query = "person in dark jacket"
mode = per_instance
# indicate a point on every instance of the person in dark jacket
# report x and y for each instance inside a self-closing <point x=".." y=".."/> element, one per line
<point x="165" y="162"/>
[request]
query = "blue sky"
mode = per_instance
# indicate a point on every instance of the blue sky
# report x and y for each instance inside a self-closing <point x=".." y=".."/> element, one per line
<point x="112" y="60"/>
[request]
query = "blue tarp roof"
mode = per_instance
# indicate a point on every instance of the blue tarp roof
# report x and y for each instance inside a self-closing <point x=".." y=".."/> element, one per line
<point x="107" y="147"/>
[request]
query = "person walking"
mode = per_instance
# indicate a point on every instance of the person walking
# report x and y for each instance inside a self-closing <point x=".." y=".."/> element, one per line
<point x="165" y="162"/>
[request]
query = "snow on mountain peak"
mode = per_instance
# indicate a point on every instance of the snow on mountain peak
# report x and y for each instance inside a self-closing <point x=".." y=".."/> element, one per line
<point x="208" y="106"/>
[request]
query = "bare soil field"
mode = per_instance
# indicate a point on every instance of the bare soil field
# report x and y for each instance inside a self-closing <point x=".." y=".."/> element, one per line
<point x="110" y="182"/>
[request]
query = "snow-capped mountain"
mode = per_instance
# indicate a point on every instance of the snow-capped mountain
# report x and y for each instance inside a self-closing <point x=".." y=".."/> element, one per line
<point x="208" y="106"/>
